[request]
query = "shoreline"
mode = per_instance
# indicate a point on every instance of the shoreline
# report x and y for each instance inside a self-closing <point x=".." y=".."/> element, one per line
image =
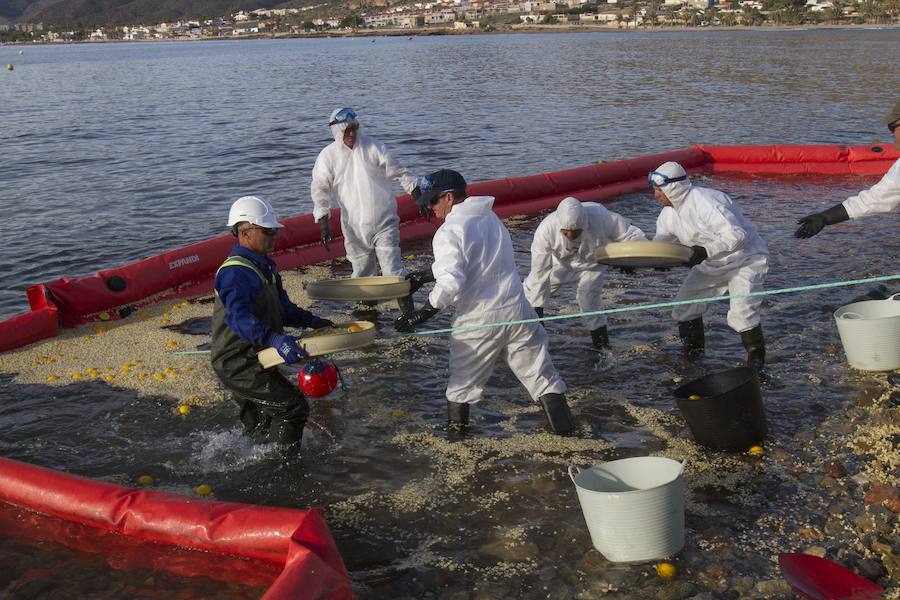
<point x="514" y="29"/>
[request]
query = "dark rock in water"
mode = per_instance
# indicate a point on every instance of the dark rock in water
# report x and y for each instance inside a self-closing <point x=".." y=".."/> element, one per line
<point x="878" y="293"/>
<point x="883" y="494"/>
<point x="593" y="563"/>
<point x="777" y="588"/>
<point x="892" y="566"/>
<point x="195" y="326"/>
<point x="895" y="399"/>
<point x="868" y="396"/>
<point x="870" y="569"/>
<point x="835" y="469"/>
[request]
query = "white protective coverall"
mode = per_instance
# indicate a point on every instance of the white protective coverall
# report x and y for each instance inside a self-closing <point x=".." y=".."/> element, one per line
<point x="883" y="197"/>
<point x="556" y="260"/>
<point x="738" y="257"/>
<point x="475" y="271"/>
<point x="359" y="178"/>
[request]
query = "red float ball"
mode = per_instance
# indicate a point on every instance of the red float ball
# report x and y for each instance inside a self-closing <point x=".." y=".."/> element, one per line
<point x="317" y="377"/>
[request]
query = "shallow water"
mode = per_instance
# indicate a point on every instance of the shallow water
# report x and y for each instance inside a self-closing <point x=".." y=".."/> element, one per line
<point x="115" y="152"/>
<point x="417" y="515"/>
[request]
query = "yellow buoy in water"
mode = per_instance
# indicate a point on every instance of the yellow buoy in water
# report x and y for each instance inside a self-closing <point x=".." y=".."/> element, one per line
<point x="666" y="570"/>
<point x="203" y="489"/>
<point x="184" y="409"/>
<point x="755" y="451"/>
<point x="353" y="328"/>
<point x="145" y="480"/>
<point x="693" y="397"/>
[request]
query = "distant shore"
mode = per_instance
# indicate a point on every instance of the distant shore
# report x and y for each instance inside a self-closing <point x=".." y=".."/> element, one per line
<point x="524" y="28"/>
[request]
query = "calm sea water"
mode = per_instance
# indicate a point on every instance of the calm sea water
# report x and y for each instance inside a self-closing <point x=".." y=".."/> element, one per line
<point x="114" y="152"/>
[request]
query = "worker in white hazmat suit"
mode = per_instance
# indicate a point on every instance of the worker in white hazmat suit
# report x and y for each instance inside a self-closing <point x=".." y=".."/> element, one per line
<point x="883" y="197"/>
<point x="727" y="256"/>
<point x="356" y="171"/>
<point x="474" y="270"/>
<point x="562" y="252"/>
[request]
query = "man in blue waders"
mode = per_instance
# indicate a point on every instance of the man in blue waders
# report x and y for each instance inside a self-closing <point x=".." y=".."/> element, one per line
<point x="250" y="312"/>
<point x="727" y="255"/>
<point x="883" y="197"/>
<point x="474" y="270"/>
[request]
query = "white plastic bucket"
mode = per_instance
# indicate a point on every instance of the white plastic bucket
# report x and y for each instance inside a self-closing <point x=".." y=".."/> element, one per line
<point x="870" y="333"/>
<point x="634" y="507"/>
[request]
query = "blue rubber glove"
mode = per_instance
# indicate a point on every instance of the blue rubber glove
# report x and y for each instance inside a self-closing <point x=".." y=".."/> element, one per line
<point x="287" y="348"/>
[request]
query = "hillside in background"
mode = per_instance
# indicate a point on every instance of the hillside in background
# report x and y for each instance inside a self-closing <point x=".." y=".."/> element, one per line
<point x="124" y="12"/>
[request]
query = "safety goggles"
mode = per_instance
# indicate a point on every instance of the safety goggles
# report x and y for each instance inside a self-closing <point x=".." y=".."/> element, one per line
<point x="656" y="179"/>
<point x="269" y="231"/>
<point x="345" y="115"/>
<point x="894" y="125"/>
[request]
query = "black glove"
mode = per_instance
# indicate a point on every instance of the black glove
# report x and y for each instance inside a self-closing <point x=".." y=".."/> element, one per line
<point x="814" y="223"/>
<point x="323" y="323"/>
<point x="419" y="278"/>
<point x="540" y="311"/>
<point x="698" y="255"/>
<point x="424" y="211"/>
<point x="326" y="232"/>
<point x="407" y="323"/>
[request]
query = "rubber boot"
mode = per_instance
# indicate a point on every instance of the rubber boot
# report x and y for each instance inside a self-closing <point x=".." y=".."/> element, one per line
<point x="406" y="304"/>
<point x="756" y="347"/>
<point x="457" y="416"/>
<point x="692" y="336"/>
<point x="600" y="337"/>
<point x="559" y="418"/>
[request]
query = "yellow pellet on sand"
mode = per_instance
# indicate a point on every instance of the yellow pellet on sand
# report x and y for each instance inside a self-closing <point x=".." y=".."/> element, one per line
<point x="756" y="451"/>
<point x="52" y="378"/>
<point x="104" y="316"/>
<point x="171" y="344"/>
<point x="109" y="377"/>
<point x="145" y="480"/>
<point x="77" y="375"/>
<point x="666" y="570"/>
<point x="164" y="322"/>
<point x="184" y="409"/>
<point x="158" y="376"/>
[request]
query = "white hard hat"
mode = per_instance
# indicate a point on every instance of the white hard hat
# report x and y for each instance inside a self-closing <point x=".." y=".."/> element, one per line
<point x="253" y="210"/>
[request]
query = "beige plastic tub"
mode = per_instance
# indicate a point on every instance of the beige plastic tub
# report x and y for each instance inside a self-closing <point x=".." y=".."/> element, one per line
<point x="327" y="340"/>
<point x="383" y="287"/>
<point x="643" y="254"/>
<point x="870" y="333"/>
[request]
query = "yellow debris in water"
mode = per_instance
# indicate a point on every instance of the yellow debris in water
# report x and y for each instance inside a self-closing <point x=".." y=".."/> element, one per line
<point x="145" y="480"/>
<point x="353" y="328"/>
<point x="693" y="397"/>
<point x="666" y="570"/>
<point x="399" y="413"/>
<point x="104" y="316"/>
<point x="158" y="376"/>
<point x="755" y="451"/>
<point x="184" y="409"/>
<point x="171" y="344"/>
<point x="203" y="489"/>
<point x="52" y="377"/>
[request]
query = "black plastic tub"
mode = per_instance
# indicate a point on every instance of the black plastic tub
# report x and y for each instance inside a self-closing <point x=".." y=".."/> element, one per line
<point x="729" y="415"/>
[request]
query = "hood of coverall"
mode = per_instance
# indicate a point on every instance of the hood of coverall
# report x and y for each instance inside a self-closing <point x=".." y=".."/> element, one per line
<point x="337" y="130"/>
<point x="676" y="191"/>
<point x="570" y="214"/>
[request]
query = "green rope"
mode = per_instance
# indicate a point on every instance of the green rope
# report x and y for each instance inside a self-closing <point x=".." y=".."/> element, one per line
<point x="609" y="311"/>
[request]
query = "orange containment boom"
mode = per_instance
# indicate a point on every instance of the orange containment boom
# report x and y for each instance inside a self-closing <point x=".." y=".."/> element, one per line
<point x="297" y="539"/>
<point x="189" y="271"/>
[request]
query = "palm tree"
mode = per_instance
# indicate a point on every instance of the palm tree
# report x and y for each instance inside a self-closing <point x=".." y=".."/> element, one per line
<point x="836" y="10"/>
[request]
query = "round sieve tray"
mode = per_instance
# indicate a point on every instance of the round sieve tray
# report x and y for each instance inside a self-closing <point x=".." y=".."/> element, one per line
<point x="326" y="340"/>
<point x="643" y="254"/>
<point x="384" y="287"/>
